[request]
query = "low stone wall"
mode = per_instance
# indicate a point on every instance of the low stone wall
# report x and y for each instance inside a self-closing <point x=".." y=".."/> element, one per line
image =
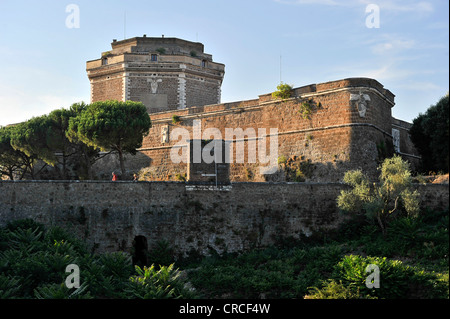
<point x="192" y="218"/>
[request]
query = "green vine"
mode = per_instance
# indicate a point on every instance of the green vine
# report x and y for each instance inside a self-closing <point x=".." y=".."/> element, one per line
<point x="305" y="110"/>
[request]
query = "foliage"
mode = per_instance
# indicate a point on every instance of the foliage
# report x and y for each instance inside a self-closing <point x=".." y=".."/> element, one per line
<point x="33" y="260"/>
<point x="430" y="135"/>
<point x="12" y="161"/>
<point x="305" y="110"/>
<point x="180" y="177"/>
<point x="334" y="270"/>
<point x="385" y="149"/>
<point x="162" y="254"/>
<point x="163" y="283"/>
<point x="112" y="125"/>
<point x="45" y="138"/>
<point x="175" y="119"/>
<point x="161" y="50"/>
<point x="333" y="289"/>
<point x="56" y="291"/>
<point x="34" y="138"/>
<point x="394" y="192"/>
<point x="397" y="280"/>
<point x="269" y="273"/>
<point x="281" y="159"/>
<point x="283" y="91"/>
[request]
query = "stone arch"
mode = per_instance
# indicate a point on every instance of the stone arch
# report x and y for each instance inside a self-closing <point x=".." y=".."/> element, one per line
<point x="140" y="251"/>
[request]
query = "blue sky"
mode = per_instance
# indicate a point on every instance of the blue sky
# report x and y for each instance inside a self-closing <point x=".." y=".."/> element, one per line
<point x="42" y="61"/>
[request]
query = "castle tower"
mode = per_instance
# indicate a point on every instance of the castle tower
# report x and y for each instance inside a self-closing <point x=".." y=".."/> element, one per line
<point x="163" y="73"/>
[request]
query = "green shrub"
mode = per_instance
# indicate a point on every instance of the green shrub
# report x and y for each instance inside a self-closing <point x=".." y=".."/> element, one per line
<point x="336" y="290"/>
<point x="60" y="291"/>
<point x="164" y="283"/>
<point x="284" y="91"/>
<point x="9" y="287"/>
<point x="281" y="159"/>
<point x="397" y="280"/>
<point x="162" y="254"/>
<point x="305" y="110"/>
<point x="24" y="224"/>
<point x="175" y="119"/>
<point x="394" y="193"/>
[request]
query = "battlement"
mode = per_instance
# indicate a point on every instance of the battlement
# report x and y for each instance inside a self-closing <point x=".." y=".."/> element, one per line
<point x="172" y="46"/>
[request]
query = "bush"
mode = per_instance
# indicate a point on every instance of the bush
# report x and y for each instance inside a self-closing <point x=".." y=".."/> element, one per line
<point x="158" y="284"/>
<point x="33" y="261"/>
<point x="305" y="110"/>
<point x="336" y="290"/>
<point x="283" y="91"/>
<point x="397" y="280"/>
<point x="393" y="195"/>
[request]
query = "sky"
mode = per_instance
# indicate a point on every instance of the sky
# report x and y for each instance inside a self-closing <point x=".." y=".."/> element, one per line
<point x="404" y="44"/>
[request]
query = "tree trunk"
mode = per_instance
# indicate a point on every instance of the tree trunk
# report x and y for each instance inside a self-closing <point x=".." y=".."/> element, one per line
<point x="380" y="222"/>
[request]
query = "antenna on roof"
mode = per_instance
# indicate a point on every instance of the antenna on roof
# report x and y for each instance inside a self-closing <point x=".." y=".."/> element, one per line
<point x="280" y="68"/>
<point x="124" y="24"/>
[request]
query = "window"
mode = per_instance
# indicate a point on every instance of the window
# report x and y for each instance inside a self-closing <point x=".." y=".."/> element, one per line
<point x="203" y="63"/>
<point x="154" y="57"/>
<point x="104" y="61"/>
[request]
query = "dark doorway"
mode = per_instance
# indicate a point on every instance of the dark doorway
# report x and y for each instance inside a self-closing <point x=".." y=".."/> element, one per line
<point x="140" y="251"/>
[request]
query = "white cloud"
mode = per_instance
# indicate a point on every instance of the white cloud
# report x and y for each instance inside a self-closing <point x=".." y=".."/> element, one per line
<point x="422" y="7"/>
<point x="300" y="2"/>
<point x="420" y="86"/>
<point x="391" y="45"/>
<point x="401" y="6"/>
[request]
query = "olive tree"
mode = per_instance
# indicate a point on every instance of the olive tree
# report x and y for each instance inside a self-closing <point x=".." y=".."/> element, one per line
<point x="381" y="200"/>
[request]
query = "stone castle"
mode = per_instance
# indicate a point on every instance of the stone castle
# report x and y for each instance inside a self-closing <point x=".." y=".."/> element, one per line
<point x="320" y="131"/>
<point x="349" y="122"/>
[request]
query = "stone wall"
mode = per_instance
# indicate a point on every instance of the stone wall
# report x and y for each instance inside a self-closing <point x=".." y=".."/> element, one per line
<point x="332" y="140"/>
<point x="163" y="73"/>
<point x="192" y="218"/>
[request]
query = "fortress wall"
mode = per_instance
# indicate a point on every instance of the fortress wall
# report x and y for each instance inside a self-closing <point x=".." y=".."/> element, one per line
<point x="108" y="84"/>
<point x="335" y="137"/>
<point x="108" y="215"/>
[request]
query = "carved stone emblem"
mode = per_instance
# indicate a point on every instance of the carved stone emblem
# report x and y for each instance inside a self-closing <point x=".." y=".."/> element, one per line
<point x="362" y="101"/>
<point x="154" y="84"/>
<point x="165" y="134"/>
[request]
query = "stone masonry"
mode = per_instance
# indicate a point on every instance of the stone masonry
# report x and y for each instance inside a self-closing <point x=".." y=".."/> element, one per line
<point x="109" y="215"/>
<point x="350" y="123"/>
<point x="337" y="136"/>
<point x="163" y="73"/>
